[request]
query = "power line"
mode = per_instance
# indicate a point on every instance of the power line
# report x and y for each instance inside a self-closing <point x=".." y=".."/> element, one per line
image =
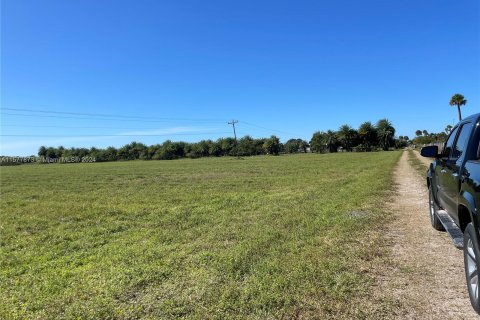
<point x="112" y="135"/>
<point x="116" y="117"/>
<point x="107" y="115"/>
<point x="75" y="127"/>
<point x="266" y="129"/>
<point x="107" y="119"/>
<point x="102" y="116"/>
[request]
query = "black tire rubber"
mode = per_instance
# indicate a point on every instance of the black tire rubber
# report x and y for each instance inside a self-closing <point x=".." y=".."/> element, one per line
<point x="468" y="235"/>
<point x="432" y="211"/>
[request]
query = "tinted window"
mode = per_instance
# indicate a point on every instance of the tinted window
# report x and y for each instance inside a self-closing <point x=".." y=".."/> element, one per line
<point x="462" y="141"/>
<point x="449" y="143"/>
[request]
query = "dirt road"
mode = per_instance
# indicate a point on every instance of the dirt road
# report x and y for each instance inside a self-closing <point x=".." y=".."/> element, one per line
<point x="426" y="279"/>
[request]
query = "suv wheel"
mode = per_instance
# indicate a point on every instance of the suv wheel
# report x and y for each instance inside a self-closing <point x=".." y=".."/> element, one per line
<point x="471" y="255"/>
<point x="433" y="208"/>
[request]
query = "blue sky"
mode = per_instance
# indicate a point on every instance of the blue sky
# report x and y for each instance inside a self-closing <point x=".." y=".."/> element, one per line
<point x="184" y="68"/>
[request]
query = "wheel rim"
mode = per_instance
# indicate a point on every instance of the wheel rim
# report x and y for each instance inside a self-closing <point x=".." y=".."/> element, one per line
<point x="472" y="271"/>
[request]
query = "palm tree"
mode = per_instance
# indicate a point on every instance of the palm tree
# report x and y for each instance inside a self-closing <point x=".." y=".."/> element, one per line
<point x="331" y="141"/>
<point x="346" y="135"/>
<point x="458" y="100"/>
<point x="368" y="134"/>
<point x="386" y="132"/>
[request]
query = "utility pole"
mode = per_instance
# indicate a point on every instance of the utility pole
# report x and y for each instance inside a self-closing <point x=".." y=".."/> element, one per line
<point x="234" y="134"/>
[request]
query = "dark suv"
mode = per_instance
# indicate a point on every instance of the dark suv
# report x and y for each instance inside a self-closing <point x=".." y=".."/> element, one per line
<point x="453" y="181"/>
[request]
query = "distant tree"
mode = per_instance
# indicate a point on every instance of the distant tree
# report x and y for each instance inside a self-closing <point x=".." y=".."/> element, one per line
<point x="129" y="151"/>
<point x="429" y="138"/>
<point x="272" y="145"/>
<point x="199" y="149"/>
<point x="425" y="132"/>
<point x="368" y="135"/>
<point x="203" y="148"/>
<point x="226" y="145"/>
<point x="386" y="132"/>
<point x="418" y="133"/>
<point x="303" y="145"/>
<point x="95" y="153"/>
<point x="331" y="141"/>
<point x="246" y="146"/>
<point x="179" y="149"/>
<point x="42" y="151"/>
<point x="166" y="151"/>
<point x="292" y="146"/>
<point x="296" y="145"/>
<point x="259" y="147"/>
<point x="70" y="152"/>
<point x="458" y="100"/>
<point x="110" y="154"/>
<point x="442" y="136"/>
<point x="51" y="152"/>
<point x="400" y="142"/>
<point x="61" y="151"/>
<point x="448" y="129"/>
<point x="317" y="143"/>
<point x="346" y="136"/>
<point x="214" y="149"/>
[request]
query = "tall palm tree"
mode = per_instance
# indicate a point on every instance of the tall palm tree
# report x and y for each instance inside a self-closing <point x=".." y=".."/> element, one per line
<point x="331" y="141"/>
<point x="368" y="134"/>
<point x="386" y="132"/>
<point x="346" y="134"/>
<point x="458" y="100"/>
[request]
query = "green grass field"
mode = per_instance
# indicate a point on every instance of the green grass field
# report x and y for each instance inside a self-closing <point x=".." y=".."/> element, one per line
<point x="263" y="237"/>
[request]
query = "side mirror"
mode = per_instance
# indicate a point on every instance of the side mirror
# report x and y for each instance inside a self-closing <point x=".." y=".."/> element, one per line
<point x="429" y="152"/>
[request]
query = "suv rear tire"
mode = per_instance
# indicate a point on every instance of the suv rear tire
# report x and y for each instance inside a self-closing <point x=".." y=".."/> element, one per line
<point x="433" y="208"/>
<point x="471" y="255"/>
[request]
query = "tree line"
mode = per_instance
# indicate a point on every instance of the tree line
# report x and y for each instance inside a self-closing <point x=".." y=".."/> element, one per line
<point x="424" y="137"/>
<point x="368" y="137"/>
<point x="170" y="150"/>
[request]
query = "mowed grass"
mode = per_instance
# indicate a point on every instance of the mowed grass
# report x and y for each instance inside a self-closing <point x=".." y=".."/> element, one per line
<point x="418" y="165"/>
<point x="263" y="237"/>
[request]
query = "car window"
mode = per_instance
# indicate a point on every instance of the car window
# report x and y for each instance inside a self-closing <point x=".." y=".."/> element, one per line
<point x="449" y="143"/>
<point x="462" y="141"/>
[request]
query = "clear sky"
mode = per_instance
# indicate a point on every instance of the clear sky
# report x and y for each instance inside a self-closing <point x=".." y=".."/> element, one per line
<point x="184" y="68"/>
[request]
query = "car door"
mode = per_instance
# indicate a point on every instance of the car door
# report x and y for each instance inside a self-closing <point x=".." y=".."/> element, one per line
<point x="440" y="168"/>
<point x="452" y="168"/>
